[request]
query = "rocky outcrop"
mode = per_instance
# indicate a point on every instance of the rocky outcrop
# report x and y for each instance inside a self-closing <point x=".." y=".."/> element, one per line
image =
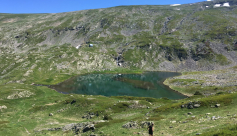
<point x="191" y="105"/>
<point x="77" y="128"/>
<point x="136" y="125"/>
<point x="18" y="95"/>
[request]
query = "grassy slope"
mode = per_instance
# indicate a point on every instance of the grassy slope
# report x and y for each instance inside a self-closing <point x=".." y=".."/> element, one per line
<point x="32" y="113"/>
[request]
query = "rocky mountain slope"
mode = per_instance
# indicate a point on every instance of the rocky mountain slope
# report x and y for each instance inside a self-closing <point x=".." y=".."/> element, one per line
<point x="190" y="37"/>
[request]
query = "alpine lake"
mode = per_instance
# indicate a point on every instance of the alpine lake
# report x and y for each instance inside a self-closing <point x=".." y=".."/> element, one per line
<point x="147" y="84"/>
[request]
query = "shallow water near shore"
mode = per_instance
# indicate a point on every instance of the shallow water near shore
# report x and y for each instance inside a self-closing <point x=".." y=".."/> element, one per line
<point x="147" y="84"/>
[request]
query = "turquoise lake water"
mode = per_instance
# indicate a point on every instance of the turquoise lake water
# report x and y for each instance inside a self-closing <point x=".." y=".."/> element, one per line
<point x="148" y="84"/>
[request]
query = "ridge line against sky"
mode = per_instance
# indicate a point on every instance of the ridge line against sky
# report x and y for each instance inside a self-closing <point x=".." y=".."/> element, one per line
<point x="58" y="6"/>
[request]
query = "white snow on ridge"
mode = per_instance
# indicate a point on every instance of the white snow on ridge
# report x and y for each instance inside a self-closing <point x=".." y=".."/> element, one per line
<point x="175" y="4"/>
<point x="226" y="4"/>
<point x="217" y="5"/>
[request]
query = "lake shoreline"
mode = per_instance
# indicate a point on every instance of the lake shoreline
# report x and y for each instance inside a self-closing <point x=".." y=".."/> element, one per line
<point x="159" y="76"/>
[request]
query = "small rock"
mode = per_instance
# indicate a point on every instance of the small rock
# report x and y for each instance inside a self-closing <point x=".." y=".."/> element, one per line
<point x="190" y="113"/>
<point x="3" y="107"/>
<point x="182" y="106"/>
<point x="217" y="105"/>
<point x="196" y="105"/>
<point x="208" y="113"/>
<point x="50" y="114"/>
<point x="148" y="107"/>
<point x="93" y="135"/>
<point x="190" y="106"/>
<point x="171" y="127"/>
<point x="136" y="102"/>
<point x="54" y="129"/>
<point x="198" y="133"/>
<point x="73" y="101"/>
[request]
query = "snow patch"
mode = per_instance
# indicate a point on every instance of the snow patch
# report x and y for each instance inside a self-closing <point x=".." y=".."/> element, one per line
<point x="226" y="5"/>
<point x="217" y="5"/>
<point x="175" y="4"/>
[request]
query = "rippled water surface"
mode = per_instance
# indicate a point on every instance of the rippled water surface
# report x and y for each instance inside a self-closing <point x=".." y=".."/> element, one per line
<point x="148" y="84"/>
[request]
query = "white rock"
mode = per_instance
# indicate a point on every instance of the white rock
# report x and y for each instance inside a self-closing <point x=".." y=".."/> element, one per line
<point x="78" y="46"/>
<point x="173" y="121"/>
<point x="3" y="107"/>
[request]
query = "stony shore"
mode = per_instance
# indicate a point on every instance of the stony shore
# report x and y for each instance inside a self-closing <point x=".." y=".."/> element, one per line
<point x="209" y="82"/>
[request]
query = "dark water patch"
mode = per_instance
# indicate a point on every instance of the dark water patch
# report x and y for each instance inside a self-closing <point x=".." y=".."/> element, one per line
<point x="148" y="84"/>
<point x="137" y="83"/>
